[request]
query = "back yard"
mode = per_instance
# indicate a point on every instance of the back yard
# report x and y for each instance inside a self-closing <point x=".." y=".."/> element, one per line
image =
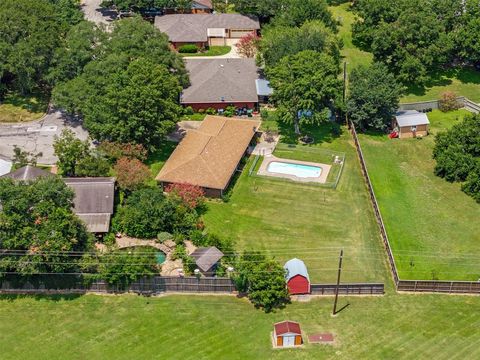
<point x="434" y="228"/>
<point x="223" y="327"/>
<point x="309" y="222"/>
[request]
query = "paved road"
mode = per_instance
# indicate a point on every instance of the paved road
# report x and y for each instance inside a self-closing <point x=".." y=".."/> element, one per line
<point x="95" y="13"/>
<point x="37" y="136"/>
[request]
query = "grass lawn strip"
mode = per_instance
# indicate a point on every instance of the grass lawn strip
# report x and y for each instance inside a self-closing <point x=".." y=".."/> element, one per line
<point x="212" y="51"/>
<point x="433" y="227"/>
<point x="16" y="108"/>
<point x="224" y="327"/>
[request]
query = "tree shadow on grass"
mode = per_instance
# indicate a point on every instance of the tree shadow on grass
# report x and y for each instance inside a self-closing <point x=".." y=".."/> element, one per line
<point x="324" y="133"/>
<point x="40" y="297"/>
<point x="36" y="102"/>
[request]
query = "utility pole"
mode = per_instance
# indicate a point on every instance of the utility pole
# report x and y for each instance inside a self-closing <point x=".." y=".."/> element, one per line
<point x="338" y="282"/>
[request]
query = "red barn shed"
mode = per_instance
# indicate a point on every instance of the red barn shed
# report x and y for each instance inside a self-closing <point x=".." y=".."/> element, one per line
<point x="298" y="281"/>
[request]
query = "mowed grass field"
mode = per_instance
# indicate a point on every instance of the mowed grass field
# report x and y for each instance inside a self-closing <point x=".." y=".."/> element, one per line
<point x="223" y="327"/>
<point x="464" y="82"/>
<point x="288" y="219"/>
<point x="433" y="227"/>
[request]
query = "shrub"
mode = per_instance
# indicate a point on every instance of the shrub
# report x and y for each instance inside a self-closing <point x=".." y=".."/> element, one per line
<point x="192" y="196"/>
<point x="131" y="174"/>
<point x="188" y="49"/>
<point x="211" y="111"/>
<point x="448" y="101"/>
<point x="92" y="165"/>
<point x="264" y="114"/>
<point x="188" y="110"/>
<point x="247" y="45"/>
<point x="164" y="236"/>
<point x="115" y="150"/>
<point x="229" y="111"/>
<point x="201" y="111"/>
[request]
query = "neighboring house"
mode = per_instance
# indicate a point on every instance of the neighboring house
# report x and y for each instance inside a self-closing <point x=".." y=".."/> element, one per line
<point x="287" y="334"/>
<point x="207" y="259"/>
<point x="27" y="173"/>
<point x="298" y="281"/>
<point x="411" y="123"/>
<point x="93" y="202"/>
<point x="198" y="7"/>
<point x="205" y="29"/>
<point x="209" y="156"/>
<point x="218" y="83"/>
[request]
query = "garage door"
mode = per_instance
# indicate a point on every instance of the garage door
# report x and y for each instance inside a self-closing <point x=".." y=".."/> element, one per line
<point x="217" y="41"/>
<point x="239" y="33"/>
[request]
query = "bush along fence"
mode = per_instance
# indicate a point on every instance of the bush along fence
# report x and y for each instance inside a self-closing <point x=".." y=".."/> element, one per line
<point x="463" y="102"/>
<point x="77" y="284"/>
<point x="436" y="286"/>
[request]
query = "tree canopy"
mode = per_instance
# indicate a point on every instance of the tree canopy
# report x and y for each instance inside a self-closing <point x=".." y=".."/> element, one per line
<point x="415" y="38"/>
<point x="129" y="90"/>
<point x="373" y="97"/>
<point x="37" y="222"/>
<point x="457" y="155"/>
<point x="305" y="85"/>
<point x="280" y="41"/>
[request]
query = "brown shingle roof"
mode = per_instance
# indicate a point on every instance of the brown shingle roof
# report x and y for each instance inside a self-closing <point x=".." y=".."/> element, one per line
<point x="285" y="327"/>
<point x="221" y="80"/>
<point x="193" y="27"/>
<point x="206" y="257"/>
<point x="209" y="155"/>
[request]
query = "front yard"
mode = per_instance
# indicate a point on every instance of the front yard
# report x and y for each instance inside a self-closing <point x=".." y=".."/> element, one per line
<point x="211" y="51"/>
<point x="434" y="228"/>
<point x="17" y="108"/>
<point x="312" y="223"/>
<point x="223" y="327"/>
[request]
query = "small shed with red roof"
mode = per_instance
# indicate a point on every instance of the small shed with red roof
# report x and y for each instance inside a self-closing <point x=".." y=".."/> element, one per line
<point x="297" y="278"/>
<point x="287" y="334"/>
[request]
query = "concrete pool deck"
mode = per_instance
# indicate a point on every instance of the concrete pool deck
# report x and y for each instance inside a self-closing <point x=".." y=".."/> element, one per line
<point x="322" y="179"/>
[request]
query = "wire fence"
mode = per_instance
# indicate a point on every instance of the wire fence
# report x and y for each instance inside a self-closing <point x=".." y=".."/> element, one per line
<point x="435" y="286"/>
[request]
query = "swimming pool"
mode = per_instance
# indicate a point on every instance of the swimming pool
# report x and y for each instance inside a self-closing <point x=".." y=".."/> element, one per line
<point x="298" y="170"/>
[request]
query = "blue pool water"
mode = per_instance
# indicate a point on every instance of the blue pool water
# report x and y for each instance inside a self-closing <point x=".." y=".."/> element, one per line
<point x="298" y="170"/>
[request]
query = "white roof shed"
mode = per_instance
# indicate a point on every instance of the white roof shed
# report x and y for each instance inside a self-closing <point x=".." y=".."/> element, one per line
<point x="411" y="118"/>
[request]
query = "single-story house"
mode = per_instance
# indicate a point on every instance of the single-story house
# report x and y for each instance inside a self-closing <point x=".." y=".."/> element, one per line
<point x="198" y="7"/>
<point x="218" y="83"/>
<point x="287" y="334"/>
<point x="207" y="259"/>
<point x="411" y="123"/>
<point x="205" y="29"/>
<point x="93" y="202"/>
<point x="27" y="173"/>
<point x="298" y="281"/>
<point x="209" y="156"/>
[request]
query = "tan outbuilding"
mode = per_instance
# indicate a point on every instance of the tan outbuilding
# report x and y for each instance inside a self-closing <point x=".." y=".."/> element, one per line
<point x="410" y="124"/>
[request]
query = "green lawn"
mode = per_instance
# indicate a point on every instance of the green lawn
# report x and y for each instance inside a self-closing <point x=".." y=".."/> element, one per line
<point x="434" y="228"/>
<point x="211" y="51"/>
<point x="156" y="160"/>
<point x="352" y="55"/>
<point x="223" y="327"/>
<point x="292" y="219"/>
<point x="17" y="108"/>
<point x="464" y="82"/>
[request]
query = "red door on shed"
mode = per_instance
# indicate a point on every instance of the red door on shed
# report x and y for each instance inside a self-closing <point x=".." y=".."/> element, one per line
<point x="298" y="285"/>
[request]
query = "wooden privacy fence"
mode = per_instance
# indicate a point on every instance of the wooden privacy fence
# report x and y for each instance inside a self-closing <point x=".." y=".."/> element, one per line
<point x="451" y="287"/>
<point x="76" y="284"/>
<point x="348" y="289"/>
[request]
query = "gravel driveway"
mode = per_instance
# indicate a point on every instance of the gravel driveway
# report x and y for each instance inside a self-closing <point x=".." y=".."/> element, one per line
<point x="38" y="136"/>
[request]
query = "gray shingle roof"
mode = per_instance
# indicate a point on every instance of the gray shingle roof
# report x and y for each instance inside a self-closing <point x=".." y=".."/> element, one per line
<point x="221" y="80"/>
<point x="206" y="257"/>
<point x="93" y="202"/>
<point x="193" y="27"/>
<point x="295" y="267"/>
<point x="27" y="173"/>
<point x="411" y="118"/>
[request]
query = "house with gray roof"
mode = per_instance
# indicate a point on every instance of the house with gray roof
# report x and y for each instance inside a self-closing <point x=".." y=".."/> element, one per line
<point x="205" y="29"/>
<point x="93" y="201"/>
<point x="207" y="259"/>
<point x="218" y="83"/>
<point x="27" y="173"/>
<point x="411" y="123"/>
